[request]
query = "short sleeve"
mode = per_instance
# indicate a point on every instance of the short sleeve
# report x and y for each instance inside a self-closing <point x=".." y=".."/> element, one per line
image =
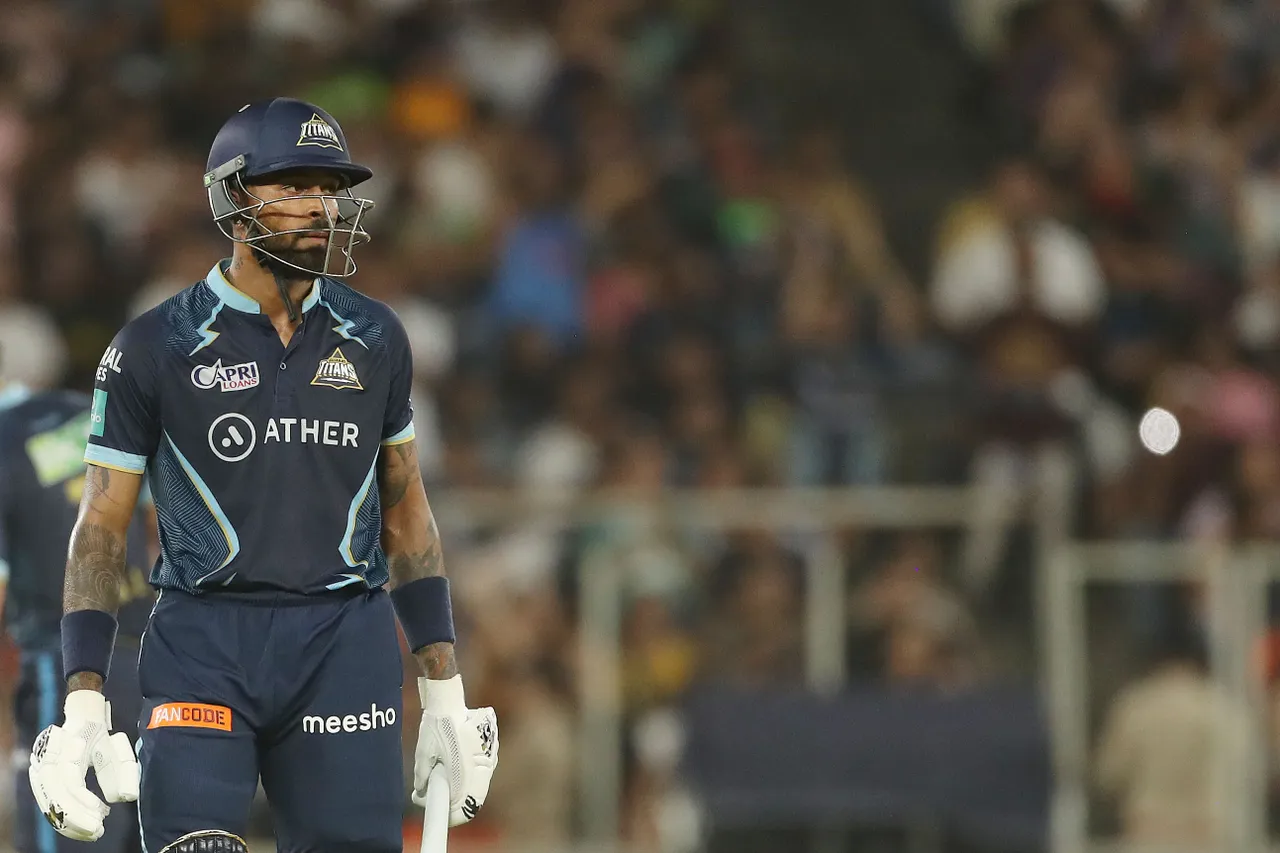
<point x="125" y="423"/>
<point x="397" y="425"/>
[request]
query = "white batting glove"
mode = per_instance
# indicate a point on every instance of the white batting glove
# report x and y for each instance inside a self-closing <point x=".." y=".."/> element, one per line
<point x="464" y="740"/>
<point x="61" y="757"/>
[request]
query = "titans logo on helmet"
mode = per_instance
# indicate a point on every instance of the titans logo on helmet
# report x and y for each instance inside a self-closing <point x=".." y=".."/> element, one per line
<point x="318" y="132"/>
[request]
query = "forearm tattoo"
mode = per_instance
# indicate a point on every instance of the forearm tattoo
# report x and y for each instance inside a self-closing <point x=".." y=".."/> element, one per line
<point x="398" y="471"/>
<point x="95" y="568"/>
<point x="96" y="561"/>
<point x="424" y="562"/>
<point x="413" y="547"/>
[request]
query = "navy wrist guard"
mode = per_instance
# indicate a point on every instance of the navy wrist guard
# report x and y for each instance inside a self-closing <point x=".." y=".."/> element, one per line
<point x="425" y="611"/>
<point x="88" y="637"/>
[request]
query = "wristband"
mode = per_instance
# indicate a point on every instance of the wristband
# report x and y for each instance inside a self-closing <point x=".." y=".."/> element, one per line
<point x="425" y="611"/>
<point x="88" y="637"/>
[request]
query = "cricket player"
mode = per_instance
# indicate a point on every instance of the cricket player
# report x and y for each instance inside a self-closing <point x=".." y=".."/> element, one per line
<point x="42" y="475"/>
<point x="268" y="406"/>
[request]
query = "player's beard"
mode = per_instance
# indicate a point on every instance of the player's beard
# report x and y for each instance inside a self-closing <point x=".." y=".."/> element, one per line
<point x="279" y="256"/>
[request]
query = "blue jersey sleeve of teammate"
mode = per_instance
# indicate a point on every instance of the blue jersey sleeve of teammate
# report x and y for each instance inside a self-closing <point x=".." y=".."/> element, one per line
<point x="125" y="425"/>
<point x="6" y="480"/>
<point x="397" y="426"/>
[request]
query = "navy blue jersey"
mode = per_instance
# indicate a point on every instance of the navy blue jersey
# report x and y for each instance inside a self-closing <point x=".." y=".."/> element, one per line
<point x="261" y="457"/>
<point x="42" y="445"/>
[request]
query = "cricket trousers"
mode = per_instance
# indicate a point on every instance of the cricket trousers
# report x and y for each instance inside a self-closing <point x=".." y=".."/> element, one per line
<point x="300" y="691"/>
<point x="38" y="703"/>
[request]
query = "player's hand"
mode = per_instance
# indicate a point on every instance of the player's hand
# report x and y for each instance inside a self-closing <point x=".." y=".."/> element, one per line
<point x="464" y="740"/>
<point x="61" y="757"/>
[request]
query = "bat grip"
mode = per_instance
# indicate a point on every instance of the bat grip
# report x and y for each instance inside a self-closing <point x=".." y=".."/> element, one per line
<point x="435" y="815"/>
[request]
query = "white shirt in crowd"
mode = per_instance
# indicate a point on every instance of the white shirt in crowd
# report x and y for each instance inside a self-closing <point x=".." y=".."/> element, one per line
<point x="32" y="351"/>
<point x="976" y="279"/>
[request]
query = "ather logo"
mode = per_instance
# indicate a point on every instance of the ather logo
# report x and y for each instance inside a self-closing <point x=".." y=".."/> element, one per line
<point x="374" y="718"/>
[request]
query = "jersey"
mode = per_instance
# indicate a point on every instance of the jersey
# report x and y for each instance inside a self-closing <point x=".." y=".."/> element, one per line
<point x="42" y="469"/>
<point x="261" y="457"/>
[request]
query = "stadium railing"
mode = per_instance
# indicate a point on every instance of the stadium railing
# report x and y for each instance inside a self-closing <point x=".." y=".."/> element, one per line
<point x="817" y="512"/>
<point x="1237" y="582"/>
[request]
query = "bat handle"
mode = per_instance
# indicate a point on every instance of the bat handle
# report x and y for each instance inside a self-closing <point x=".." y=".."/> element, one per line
<point x="435" y="815"/>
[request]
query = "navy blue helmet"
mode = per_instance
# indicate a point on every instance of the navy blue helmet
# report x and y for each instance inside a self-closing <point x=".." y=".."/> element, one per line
<point x="281" y="135"/>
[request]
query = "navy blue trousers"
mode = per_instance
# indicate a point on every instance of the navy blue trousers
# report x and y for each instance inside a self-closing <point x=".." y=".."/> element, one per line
<point x="303" y="693"/>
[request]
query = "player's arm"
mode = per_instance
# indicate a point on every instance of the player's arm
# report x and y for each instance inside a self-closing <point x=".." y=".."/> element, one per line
<point x="124" y="434"/>
<point x="96" y="561"/>
<point x="411" y="541"/>
<point x="462" y="740"/>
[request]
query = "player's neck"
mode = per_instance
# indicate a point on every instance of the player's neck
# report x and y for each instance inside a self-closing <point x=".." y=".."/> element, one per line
<point x="264" y="287"/>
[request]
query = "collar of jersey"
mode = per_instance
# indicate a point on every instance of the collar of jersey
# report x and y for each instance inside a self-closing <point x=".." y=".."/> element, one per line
<point x="241" y="301"/>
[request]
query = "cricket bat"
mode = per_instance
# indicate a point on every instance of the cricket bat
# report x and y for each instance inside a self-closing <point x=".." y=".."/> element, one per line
<point x="435" y="815"/>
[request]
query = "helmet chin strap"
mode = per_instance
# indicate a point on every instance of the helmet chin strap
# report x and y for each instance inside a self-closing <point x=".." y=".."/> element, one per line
<point x="288" y="300"/>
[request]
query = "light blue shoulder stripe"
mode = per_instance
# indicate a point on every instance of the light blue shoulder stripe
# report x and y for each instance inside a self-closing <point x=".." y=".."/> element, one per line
<point x="98" y="455"/>
<point x="347" y="580"/>
<point x="402" y="436"/>
<point x="228" y="532"/>
<point x="344" y="326"/>
<point x="344" y="548"/>
<point x="207" y="335"/>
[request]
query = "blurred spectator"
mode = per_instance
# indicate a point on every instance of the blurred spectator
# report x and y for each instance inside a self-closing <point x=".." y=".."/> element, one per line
<point x="1165" y="749"/>
<point x="433" y="341"/>
<point x="756" y="633"/>
<point x="32" y="352"/>
<point x="1011" y="254"/>
<point x="923" y="631"/>
<point x="635" y="535"/>
<point x="564" y="453"/>
<point x="837" y="232"/>
<point x="455" y="205"/>
<point x="661" y="656"/>
<point x="538" y="284"/>
<point x="14" y="141"/>
<point x="121" y="186"/>
<point x="836" y="379"/>
<point x="533" y="801"/>
<point x="1021" y="290"/>
<point x="506" y="56"/>
<point x="295" y="21"/>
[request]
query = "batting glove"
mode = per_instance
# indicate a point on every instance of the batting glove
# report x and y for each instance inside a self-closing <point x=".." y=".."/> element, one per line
<point x="61" y="757"/>
<point x="464" y="740"/>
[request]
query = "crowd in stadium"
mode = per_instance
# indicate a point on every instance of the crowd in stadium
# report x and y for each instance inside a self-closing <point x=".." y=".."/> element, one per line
<point x="618" y="271"/>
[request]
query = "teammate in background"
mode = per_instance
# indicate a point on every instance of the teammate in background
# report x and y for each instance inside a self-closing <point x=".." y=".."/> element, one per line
<point x="42" y="475"/>
<point x="268" y="405"/>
